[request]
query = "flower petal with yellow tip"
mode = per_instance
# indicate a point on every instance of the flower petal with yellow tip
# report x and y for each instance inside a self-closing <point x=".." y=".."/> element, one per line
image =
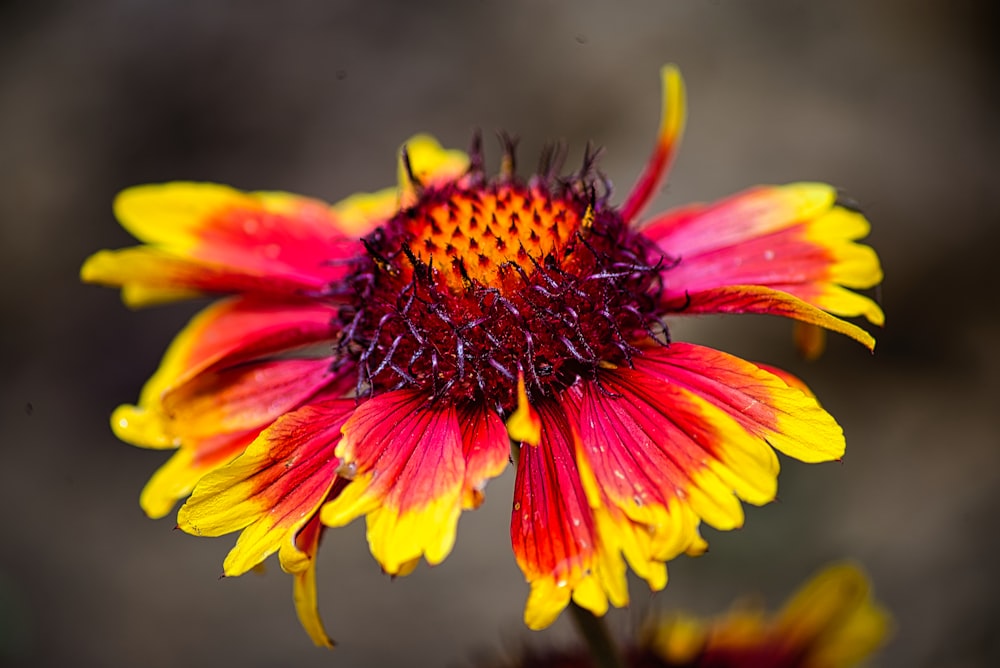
<point x="795" y="240"/>
<point x="272" y="489"/>
<point x="405" y="462"/>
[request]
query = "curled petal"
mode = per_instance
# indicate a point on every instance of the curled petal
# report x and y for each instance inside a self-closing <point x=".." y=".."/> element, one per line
<point x="667" y="142"/>
<point x="204" y="237"/>
<point x="404" y="458"/>
<point x="766" y="301"/>
<point x="271" y="490"/>
<point x="298" y="557"/>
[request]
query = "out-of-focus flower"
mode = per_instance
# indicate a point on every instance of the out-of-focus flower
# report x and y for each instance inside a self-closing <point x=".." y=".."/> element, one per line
<point x="377" y="358"/>
<point x="832" y="622"/>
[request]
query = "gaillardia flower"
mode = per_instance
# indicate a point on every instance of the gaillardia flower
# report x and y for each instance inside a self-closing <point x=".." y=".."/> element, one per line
<point x="831" y="622"/>
<point x="377" y="359"/>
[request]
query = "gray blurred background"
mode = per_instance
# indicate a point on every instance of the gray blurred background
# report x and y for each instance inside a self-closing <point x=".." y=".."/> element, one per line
<point x="895" y="102"/>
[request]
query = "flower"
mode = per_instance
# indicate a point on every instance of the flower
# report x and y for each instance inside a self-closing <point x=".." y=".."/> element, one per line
<point x="377" y="359"/>
<point x="831" y="622"/>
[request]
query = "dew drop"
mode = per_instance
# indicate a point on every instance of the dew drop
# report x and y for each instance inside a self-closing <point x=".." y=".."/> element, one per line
<point x="348" y="470"/>
<point x="769" y="255"/>
<point x="272" y="251"/>
<point x="251" y="226"/>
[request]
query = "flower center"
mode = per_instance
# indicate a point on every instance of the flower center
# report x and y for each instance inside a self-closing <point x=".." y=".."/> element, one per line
<point x="472" y="233"/>
<point x="481" y="282"/>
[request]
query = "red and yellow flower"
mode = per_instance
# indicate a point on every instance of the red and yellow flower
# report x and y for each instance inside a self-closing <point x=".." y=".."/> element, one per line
<point x="377" y="358"/>
<point x="831" y="622"/>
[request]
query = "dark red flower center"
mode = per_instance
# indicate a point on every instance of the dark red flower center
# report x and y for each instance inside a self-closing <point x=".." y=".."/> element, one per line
<point x="482" y="281"/>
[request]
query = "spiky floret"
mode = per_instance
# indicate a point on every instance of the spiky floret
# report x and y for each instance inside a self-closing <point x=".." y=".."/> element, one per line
<point x="483" y="280"/>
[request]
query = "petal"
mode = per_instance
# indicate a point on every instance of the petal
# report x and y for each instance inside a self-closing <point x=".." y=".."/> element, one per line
<point x="486" y="449"/>
<point x="236" y="330"/>
<point x="404" y="456"/>
<point x="762" y="403"/>
<point x="524" y="425"/>
<point x="196" y="458"/>
<point x="361" y="213"/>
<point x="552" y="528"/>
<point x="620" y="536"/>
<point x="766" y="301"/>
<point x="305" y="546"/>
<point x="226" y="333"/>
<point x="696" y="229"/>
<point x="210" y="238"/>
<point x="792" y="239"/>
<point x="244" y="396"/>
<point x="833" y="619"/>
<point x="272" y="489"/>
<point x="655" y="447"/>
<point x="667" y="142"/>
<point x="429" y="163"/>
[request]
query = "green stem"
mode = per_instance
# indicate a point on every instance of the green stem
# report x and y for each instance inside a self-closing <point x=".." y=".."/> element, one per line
<point x="595" y="632"/>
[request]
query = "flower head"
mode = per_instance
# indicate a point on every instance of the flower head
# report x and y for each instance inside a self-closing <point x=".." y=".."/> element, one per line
<point x="377" y="358"/>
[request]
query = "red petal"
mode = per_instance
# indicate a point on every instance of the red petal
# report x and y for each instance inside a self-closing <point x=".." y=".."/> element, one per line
<point x="762" y="403"/>
<point x="552" y="527"/>
<point x="667" y="141"/>
<point x="404" y="456"/>
<point x="209" y="238"/>
<point x="791" y="242"/>
<point x="245" y="396"/>
<point x="273" y="488"/>
<point x="486" y="449"/>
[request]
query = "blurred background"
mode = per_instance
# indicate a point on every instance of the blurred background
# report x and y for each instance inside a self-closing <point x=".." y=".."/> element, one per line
<point x="895" y="102"/>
